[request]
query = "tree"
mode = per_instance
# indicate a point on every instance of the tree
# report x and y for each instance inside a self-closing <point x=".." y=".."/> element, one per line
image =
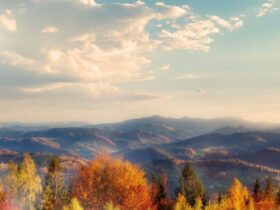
<point x="198" y="204"/>
<point x="160" y="192"/>
<point x="181" y="203"/>
<point x="3" y="195"/>
<point x="110" y="206"/>
<point x="238" y="196"/>
<point x="73" y="205"/>
<point x="23" y="183"/>
<point x="106" y="180"/>
<point x="277" y="198"/>
<point x="269" y="188"/>
<point x="257" y="191"/>
<point x="190" y="186"/>
<point x="55" y="194"/>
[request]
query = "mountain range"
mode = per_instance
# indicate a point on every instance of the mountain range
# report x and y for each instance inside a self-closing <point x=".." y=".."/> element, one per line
<point x="219" y="149"/>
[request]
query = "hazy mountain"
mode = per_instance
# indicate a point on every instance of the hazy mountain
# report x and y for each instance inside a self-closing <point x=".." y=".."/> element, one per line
<point x="218" y="148"/>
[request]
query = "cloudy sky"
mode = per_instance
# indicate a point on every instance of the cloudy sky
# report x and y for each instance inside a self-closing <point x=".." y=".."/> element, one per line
<point x="109" y="60"/>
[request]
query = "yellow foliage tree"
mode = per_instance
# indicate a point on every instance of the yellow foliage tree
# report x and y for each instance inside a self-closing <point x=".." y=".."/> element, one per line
<point x="110" y="206"/>
<point x="73" y="205"/>
<point x="106" y="179"/>
<point x="198" y="204"/>
<point x="181" y="203"/>
<point x="23" y="183"/>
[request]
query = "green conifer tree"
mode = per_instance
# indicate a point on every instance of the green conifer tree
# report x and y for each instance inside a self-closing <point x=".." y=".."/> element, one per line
<point x="190" y="185"/>
<point x="257" y="191"/>
<point x="55" y="194"/>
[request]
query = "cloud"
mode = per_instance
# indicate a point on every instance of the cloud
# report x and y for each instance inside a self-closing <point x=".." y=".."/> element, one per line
<point x="203" y="92"/>
<point x="96" y="91"/>
<point x="187" y="77"/>
<point x="15" y="59"/>
<point x="90" y="3"/>
<point x="49" y="29"/>
<point x="7" y="21"/>
<point x="197" y="35"/>
<point x="268" y="7"/>
<point x="169" y="11"/>
<point x="104" y="47"/>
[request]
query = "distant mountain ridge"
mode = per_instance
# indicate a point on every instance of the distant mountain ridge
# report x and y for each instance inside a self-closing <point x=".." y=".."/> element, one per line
<point x="157" y="143"/>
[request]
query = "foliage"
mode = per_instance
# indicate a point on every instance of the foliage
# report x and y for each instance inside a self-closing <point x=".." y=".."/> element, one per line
<point x="73" y="205"/>
<point x="190" y="186"/>
<point x="55" y="194"/>
<point x="160" y="192"/>
<point x="257" y="193"/>
<point x="23" y="184"/>
<point x="110" y="206"/>
<point x="238" y="196"/>
<point x="181" y="203"/>
<point x="106" y="179"/>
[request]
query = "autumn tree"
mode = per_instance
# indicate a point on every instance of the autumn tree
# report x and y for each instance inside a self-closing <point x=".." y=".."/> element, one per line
<point x="106" y="180"/>
<point x="190" y="185"/>
<point x="3" y="195"/>
<point x="181" y="203"/>
<point x="268" y="199"/>
<point x="110" y="206"/>
<point x="160" y="192"/>
<point x="23" y="183"/>
<point x="198" y="204"/>
<point x="73" y="205"/>
<point x="238" y="196"/>
<point x="55" y="194"/>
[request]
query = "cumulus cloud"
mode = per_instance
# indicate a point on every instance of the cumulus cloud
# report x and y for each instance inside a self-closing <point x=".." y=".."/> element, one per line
<point x="111" y="45"/>
<point x="267" y="7"/>
<point x="49" y="29"/>
<point x="7" y="21"/>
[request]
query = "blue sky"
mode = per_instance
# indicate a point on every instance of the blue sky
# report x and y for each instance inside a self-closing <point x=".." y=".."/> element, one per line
<point x="101" y="61"/>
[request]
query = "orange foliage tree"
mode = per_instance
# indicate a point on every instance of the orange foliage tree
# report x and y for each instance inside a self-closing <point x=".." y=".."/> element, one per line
<point x="112" y="180"/>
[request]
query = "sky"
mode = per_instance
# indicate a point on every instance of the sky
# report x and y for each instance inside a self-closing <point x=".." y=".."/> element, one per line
<point x="111" y="60"/>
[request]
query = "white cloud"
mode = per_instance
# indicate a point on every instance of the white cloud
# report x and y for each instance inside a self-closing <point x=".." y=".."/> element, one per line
<point x="90" y="3"/>
<point x="15" y="59"/>
<point x="170" y="11"/>
<point x="46" y="88"/>
<point x="187" y="77"/>
<point x="7" y="21"/>
<point x="49" y="29"/>
<point x="98" y="90"/>
<point x="197" y="35"/>
<point x="267" y="7"/>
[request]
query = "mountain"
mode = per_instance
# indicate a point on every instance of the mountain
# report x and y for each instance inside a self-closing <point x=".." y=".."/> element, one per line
<point x="219" y="149"/>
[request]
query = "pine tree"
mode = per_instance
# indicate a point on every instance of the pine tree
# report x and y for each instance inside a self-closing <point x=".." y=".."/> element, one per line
<point x="190" y="186"/>
<point x="269" y="188"/>
<point x="277" y="198"/>
<point x="55" y="194"/>
<point x="257" y="191"/>
<point x="159" y="190"/>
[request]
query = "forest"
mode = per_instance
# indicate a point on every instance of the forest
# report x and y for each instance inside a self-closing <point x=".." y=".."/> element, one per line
<point x="109" y="183"/>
